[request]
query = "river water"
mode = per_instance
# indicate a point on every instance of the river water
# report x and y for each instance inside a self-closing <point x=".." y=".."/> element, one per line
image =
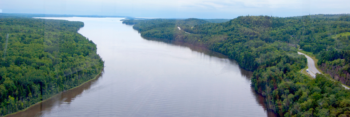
<point x="145" y="78"/>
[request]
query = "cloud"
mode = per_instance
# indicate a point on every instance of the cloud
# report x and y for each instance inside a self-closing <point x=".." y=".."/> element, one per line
<point x="0" y="10"/>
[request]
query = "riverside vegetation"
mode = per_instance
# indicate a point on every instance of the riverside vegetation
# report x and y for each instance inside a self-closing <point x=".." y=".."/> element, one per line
<point x="268" y="46"/>
<point x="41" y="58"/>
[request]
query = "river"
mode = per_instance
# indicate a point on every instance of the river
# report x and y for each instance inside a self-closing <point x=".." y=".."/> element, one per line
<point x="145" y="78"/>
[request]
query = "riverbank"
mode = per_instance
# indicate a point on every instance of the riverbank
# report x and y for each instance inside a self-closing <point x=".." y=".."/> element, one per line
<point x="18" y="112"/>
<point x="43" y="64"/>
<point x="276" y="64"/>
<point x="160" y="77"/>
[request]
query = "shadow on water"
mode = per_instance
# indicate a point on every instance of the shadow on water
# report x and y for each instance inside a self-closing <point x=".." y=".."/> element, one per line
<point x="247" y="74"/>
<point x="61" y="98"/>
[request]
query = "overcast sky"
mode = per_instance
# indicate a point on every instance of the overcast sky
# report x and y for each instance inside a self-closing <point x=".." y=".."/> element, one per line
<point x="177" y="8"/>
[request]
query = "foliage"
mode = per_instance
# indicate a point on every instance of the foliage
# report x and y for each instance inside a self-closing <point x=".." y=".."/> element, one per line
<point x="268" y="46"/>
<point x="41" y="58"/>
<point x="336" y="64"/>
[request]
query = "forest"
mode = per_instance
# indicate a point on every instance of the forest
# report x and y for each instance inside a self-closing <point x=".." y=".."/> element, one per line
<point x="268" y="46"/>
<point x="41" y="58"/>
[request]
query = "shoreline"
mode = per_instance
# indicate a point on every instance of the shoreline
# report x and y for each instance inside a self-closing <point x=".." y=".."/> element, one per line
<point x="198" y="48"/>
<point x="97" y="76"/>
<point x="54" y="95"/>
<point x="94" y="78"/>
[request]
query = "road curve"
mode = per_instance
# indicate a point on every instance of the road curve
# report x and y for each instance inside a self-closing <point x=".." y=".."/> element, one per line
<point x="184" y="31"/>
<point x="312" y="67"/>
<point x="178" y="28"/>
<point x="311" y="64"/>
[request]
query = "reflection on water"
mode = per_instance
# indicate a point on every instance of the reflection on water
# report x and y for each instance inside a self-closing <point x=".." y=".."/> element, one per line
<point x="62" y="98"/>
<point x="145" y="78"/>
<point x="205" y="52"/>
<point x="208" y="53"/>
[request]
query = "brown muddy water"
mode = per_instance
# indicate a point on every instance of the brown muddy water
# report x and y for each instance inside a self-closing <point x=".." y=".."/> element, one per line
<point x="145" y="78"/>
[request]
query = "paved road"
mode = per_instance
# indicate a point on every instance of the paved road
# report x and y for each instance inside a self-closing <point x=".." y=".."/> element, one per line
<point x="312" y="67"/>
<point x="311" y="64"/>
<point x="184" y="31"/>
<point x="179" y="28"/>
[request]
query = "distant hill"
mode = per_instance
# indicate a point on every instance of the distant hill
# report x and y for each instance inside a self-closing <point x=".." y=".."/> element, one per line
<point x="323" y="16"/>
<point x="50" y="15"/>
<point x="217" y="20"/>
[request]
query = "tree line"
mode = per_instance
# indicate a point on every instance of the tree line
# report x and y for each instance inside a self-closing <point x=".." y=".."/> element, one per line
<point x="40" y="58"/>
<point x="268" y="46"/>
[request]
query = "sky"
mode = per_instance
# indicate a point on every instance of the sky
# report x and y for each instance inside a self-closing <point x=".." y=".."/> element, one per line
<point x="177" y="8"/>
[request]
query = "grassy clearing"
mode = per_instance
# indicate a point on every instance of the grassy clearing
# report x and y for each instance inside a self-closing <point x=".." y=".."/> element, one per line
<point x="342" y="34"/>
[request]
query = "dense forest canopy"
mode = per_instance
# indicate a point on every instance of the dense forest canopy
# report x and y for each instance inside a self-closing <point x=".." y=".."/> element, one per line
<point x="268" y="46"/>
<point x="40" y="58"/>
